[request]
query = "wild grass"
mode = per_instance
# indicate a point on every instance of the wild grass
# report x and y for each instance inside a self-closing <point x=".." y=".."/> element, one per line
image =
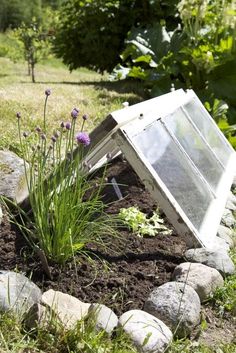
<point x="87" y="90"/>
<point x="15" y="338"/>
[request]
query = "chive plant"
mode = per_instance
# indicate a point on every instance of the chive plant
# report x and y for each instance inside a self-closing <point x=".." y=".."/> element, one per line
<point x="66" y="208"/>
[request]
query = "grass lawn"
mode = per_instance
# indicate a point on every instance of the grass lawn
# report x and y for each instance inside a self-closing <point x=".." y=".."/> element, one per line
<point x="91" y="92"/>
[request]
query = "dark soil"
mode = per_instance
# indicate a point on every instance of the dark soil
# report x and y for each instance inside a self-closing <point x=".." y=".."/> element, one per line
<point x="121" y="277"/>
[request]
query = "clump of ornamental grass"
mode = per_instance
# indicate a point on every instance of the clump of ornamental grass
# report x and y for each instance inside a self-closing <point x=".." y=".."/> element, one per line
<point x="66" y="211"/>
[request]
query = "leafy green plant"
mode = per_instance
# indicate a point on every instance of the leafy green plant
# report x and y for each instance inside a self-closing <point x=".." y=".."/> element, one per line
<point x="139" y="223"/>
<point x="67" y="212"/>
<point x="199" y="54"/>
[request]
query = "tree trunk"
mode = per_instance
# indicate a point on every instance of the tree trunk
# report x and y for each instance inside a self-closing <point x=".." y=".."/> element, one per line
<point x="32" y="72"/>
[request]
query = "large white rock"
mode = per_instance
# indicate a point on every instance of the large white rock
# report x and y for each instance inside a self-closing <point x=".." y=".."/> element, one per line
<point x="105" y="318"/>
<point x="220" y="244"/>
<point x="17" y="292"/>
<point x="228" y="219"/>
<point x="232" y="199"/>
<point x="177" y="305"/>
<point x="148" y="333"/>
<point x="226" y="234"/>
<point x="218" y="259"/>
<point x="12" y="177"/>
<point x="66" y="307"/>
<point x="40" y="316"/>
<point x="202" y="278"/>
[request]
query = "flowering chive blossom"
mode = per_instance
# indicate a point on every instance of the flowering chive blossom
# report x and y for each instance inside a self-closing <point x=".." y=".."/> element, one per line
<point x="18" y="115"/>
<point x="85" y="117"/>
<point x="48" y="92"/>
<point x="62" y="124"/>
<point x="38" y="129"/>
<point x="75" y="113"/>
<point x="43" y="137"/>
<point x="68" y="125"/>
<point x="54" y="139"/>
<point x="25" y="134"/>
<point x="83" y="138"/>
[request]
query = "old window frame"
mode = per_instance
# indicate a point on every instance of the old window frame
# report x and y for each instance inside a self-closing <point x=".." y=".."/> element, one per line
<point x="115" y="135"/>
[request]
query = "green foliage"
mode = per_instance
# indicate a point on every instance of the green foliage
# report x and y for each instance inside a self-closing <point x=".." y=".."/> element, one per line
<point x="66" y="207"/>
<point x="139" y="223"/>
<point x="14" y="12"/>
<point x="10" y="47"/>
<point x="36" y="44"/>
<point x="198" y="54"/>
<point x="91" y="33"/>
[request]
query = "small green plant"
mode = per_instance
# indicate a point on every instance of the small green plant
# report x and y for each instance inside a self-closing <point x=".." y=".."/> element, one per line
<point x="67" y="212"/>
<point x="139" y="223"/>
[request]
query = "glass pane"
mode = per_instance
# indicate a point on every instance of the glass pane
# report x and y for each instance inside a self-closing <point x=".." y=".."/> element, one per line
<point x="208" y="130"/>
<point x="195" y="147"/>
<point x="173" y="168"/>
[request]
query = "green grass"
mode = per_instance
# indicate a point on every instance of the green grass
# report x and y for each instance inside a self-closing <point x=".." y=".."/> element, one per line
<point x="15" y="338"/>
<point x="91" y="92"/>
<point x="224" y="298"/>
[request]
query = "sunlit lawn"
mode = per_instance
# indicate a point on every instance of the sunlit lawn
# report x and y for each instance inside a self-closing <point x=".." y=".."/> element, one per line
<point x="91" y="92"/>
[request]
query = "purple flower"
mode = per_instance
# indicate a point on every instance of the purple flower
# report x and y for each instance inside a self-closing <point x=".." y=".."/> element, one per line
<point x="75" y="113"/>
<point x="83" y="138"/>
<point x="48" y="92"/>
<point x="54" y="139"/>
<point x="38" y="129"/>
<point x="25" y="134"/>
<point x="43" y="137"/>
<point x="62" y="124"/>
<point x="18" y="115"/>
<point x="85" y="117"/>
<point x="68" y="125"/>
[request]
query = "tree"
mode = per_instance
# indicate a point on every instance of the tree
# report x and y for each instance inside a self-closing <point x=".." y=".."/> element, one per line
<point x="91" y="33"/>
<point x="14" y="12"/>
<point x="36" y="44"/>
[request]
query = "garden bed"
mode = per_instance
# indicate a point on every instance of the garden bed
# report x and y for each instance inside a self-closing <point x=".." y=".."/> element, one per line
<point x="123" y="275"/>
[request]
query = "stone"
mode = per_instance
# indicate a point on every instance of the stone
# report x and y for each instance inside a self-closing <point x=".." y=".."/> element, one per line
<point x="220" y="244"/>
<point x="148" y="333"/>
<point x="230" y="205"/>
<point x="226" y="234"/>
<point x="232" y="199"/>
<point x="177" y="305"/>
<point x="67" y="308"/>
<point x="17" y="292"/>
<point x="203" y="279"/>
<point x="218" y="259"/>
<point x="40" y="316"/>
<point x="12" y="177"/>
<point x="228" y="219"/>
<point x="105" y="318"/>
<point x="234" y="183"/>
